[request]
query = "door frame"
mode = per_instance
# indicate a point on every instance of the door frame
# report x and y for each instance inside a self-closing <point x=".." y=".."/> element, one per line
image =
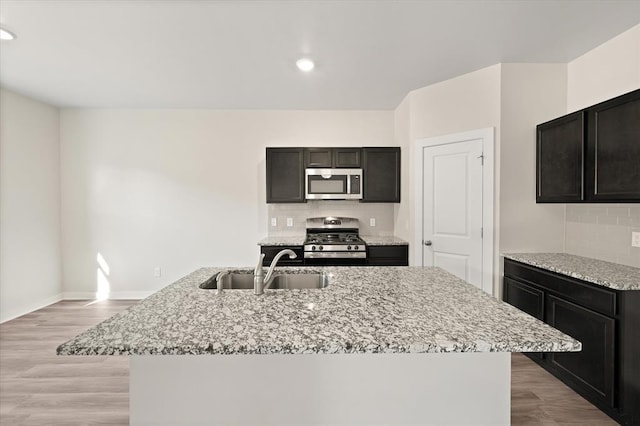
<point x="487" y="135"/>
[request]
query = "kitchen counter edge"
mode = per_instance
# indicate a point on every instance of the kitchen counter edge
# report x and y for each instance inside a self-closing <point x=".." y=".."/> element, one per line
<point x="605" y="274"/>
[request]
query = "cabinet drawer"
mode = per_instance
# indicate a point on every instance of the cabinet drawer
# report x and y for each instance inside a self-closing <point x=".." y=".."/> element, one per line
<point x="597" y="298"/>
<point x="524" y="297"/>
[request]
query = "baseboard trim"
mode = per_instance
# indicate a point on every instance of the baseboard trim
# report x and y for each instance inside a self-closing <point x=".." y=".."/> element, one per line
<point x="23" y="310"/>
<point x="119" y="295"/>
<point x="69" y="295"/>
<point x="130" y="295"/>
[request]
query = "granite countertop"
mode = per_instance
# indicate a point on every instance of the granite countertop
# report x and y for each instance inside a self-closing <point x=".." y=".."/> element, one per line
<point x="363" y="310"/>
<point x="606" y="274"/>
<point x="295" y="240"/>
<point x="374" y="240"/>
<point x="298" y="240"/>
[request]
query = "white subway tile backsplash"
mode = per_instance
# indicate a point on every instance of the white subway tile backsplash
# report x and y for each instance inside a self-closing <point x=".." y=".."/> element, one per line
<point x="383" y="212"/>
<point x="604" y="219"/>
<point x="603" y="232"/>
<point x="588" y="218"/>
<point x="618" y="211"/>
<point x="597" y="211"/>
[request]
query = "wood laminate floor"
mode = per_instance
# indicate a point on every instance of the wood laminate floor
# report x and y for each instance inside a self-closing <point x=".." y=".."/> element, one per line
<point x="37" y="387"/>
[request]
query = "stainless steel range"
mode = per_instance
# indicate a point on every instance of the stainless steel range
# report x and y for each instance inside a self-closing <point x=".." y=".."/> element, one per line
<point x="334" y="241"/>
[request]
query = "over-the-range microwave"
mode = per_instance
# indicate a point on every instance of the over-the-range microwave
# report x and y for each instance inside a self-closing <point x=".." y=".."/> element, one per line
<point x="333" y="184"/>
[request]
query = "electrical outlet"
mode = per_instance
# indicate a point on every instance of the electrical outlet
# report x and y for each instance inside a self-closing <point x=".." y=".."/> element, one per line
<point x="274" y="221"/>
<point x="289" y="222"/>
<point x="372" y="221"/>
<point x="635" y="239"/>
<point x="157" y="272"/>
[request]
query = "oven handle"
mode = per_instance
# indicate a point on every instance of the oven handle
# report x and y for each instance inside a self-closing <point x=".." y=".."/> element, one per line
<point x="335" y="255"/>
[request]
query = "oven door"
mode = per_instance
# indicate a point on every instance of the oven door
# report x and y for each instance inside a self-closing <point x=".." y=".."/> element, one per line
<point x="333" y="184"/>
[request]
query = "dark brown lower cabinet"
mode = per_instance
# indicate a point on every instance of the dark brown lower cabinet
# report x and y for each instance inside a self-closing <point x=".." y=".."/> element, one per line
<point x="525" y="297"/>
<point x="271" y="251"/>
<point x="396" y="255"/>
<point x="592" y="369"/>
<point x="392" y="255"/>
<point x="607" y="323"/>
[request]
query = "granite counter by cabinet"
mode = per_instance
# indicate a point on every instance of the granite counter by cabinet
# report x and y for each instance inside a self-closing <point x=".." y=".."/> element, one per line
<point x="298" y="240"/>
<point x="363" y="310"/>
<point x="295" y="240"/>
<point x="606" y="274"/>
<point x="375" y="240"/>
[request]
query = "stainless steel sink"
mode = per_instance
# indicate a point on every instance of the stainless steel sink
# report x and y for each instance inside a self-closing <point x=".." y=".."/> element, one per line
<point x="281" y="281"/>
<point x="300" y="281"/>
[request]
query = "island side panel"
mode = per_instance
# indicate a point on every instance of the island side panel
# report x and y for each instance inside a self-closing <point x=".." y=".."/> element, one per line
<point x="340" y="389"/>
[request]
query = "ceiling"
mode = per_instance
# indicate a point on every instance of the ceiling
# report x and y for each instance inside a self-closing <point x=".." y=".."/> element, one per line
<point x="241" y="54"/>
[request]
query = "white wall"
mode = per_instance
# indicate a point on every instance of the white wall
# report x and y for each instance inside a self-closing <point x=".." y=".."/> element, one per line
<point x="530" y="94"/>
<point x="179" y="189"/>
<point x="402" y="136"/>
<point x="30" y="255"/>
<point x="603" y="231"/>
<point x="468" y="102"/>
<point x="609" y="70"/>
<point x="512" y="98"/>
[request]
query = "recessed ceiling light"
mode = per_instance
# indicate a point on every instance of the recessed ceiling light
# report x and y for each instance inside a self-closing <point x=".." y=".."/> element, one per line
<point x="305" y="64"/>
<point x="6" y="34"/>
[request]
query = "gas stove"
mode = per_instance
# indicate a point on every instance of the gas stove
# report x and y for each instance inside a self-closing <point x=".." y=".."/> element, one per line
<point x="334" y="238"/>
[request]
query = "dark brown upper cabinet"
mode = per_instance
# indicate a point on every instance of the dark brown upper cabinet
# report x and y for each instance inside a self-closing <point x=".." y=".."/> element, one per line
<point x="285" y="175"/>
<point x="592" y="155"/>
<point x="613" y="146"/>
<point x="381" y="175"/>
<point x="560" y="156"/>
<point x="332" y="158"/>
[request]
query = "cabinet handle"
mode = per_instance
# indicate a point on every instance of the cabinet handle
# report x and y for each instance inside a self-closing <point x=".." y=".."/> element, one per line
<point x="427" y="243"/>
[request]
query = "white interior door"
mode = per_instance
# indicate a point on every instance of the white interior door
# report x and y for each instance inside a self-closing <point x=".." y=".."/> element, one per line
<point x="452" y="208"/>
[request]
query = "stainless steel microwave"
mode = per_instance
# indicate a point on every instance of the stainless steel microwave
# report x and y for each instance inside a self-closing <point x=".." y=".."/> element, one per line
<point x="333" y="184"/>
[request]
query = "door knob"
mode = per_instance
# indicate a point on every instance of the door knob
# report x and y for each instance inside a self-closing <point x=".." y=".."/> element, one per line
<point x="427" y="243"/>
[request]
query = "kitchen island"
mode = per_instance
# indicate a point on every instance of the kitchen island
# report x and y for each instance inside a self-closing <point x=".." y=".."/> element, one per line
<point x="396" y="345"/>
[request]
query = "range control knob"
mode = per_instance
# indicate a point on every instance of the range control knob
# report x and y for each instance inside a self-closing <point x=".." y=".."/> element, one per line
<point x="348" y="247"/>
<point x="320" y="248"/>
<point x="313" y="248"/>
<point x="355" y="247"/>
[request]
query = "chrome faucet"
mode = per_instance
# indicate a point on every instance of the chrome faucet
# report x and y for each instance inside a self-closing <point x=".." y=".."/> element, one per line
<point x="219" y="278"/>
<point x="262" y="282"/>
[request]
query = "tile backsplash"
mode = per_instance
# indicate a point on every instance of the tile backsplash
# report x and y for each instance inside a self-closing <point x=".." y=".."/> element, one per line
<point x="603" y="231"/>
<point x="298" y="213"/>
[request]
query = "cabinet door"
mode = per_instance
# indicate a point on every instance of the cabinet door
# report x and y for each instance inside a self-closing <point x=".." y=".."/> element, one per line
<point x="613" y="150"/>
<point x="348" y="158"/>
<point x="285" y="175"/>
<point x="320" y="158"/>
<point x="397" y="255"/>
<point x="524" y="297"/>
<point x="559" y="159"/>
<point x="271" y="251"/>
<point x="592" y="370"/>
<point x="381" y="175"/>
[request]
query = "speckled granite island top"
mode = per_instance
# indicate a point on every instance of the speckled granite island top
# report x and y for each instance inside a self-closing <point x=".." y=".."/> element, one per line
<point x="363" y="310"/>
<point x="606" y="274"/>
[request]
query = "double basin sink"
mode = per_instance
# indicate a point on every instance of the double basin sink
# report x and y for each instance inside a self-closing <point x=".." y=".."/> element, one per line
<point x="243" y="280"/>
